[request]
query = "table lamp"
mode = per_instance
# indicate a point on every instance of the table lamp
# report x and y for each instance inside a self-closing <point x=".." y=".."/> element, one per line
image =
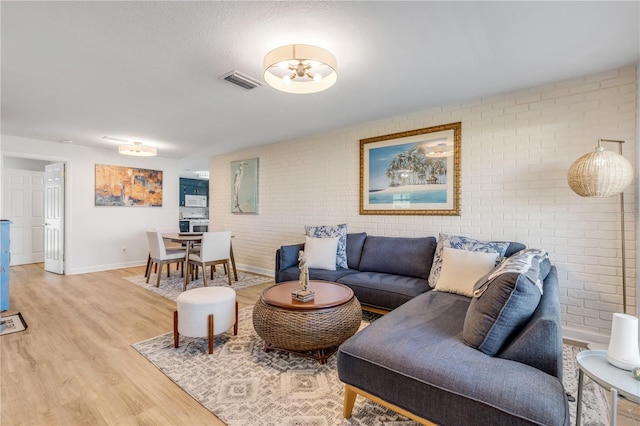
<point x="623" y="347"/>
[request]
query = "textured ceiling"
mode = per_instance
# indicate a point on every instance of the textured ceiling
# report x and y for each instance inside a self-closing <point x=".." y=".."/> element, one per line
<point x="150" y="71"/>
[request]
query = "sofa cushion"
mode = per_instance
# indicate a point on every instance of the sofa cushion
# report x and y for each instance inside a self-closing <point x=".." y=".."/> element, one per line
<point x="355" y="242"/>
<point x="411" y="257"/>
<point x="462" y="268"/>
<point x="320" y="253"/>
<point x="289" y="255"/>
<point x="503" y="301"/>
<point x="539" y="343"/>
<point x="326" y="231"/>
<point x="462" y="243"/>
<point x="384" y="291"/>
<point x="449" y="382"/>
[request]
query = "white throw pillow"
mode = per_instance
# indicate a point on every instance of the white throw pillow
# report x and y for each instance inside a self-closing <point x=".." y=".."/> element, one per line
<point x="321" y="253"/>
<point x="462" y="268"/>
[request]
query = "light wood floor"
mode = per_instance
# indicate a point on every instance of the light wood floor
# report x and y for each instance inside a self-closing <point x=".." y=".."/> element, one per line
<point x="74" y="364"/>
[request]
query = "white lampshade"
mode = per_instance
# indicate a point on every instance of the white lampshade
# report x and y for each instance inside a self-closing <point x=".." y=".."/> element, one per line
<point x="623" y="347"/>
<point x="300" y="69"/>
<point x="137" y="149"/>
<point x="600" y="174"/>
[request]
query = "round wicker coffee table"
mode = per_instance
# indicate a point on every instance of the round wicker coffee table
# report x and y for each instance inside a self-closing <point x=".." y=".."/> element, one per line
<point x="314" y="329"/>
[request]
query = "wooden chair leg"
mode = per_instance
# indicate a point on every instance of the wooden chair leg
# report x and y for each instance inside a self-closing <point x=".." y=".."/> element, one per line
<point x="168" y="269"/>
<point x="204" y="274"/>
<point x="210" y="333"/>
<point x="212" y="269"/>
<point x="147" y="270"/>
<point x="235" y="326"/>
<point x="149" y="274"/>
<point x="159" y="274"/>
<point x="228" y="275"/>
<point x="176" y="336"/>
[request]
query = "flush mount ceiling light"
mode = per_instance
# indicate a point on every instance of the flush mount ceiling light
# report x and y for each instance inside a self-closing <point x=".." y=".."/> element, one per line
<point x="300" y="69"/>
<point x="137" y="149"/>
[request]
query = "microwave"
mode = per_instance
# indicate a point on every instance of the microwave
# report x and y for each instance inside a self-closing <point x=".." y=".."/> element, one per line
<point x="195" y="201"/>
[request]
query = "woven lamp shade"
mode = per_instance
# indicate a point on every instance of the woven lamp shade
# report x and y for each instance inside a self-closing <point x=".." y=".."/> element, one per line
<point x="600" y="174"/>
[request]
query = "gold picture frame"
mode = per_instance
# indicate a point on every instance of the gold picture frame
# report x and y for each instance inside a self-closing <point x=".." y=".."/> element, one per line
<point x="416" y="172"/>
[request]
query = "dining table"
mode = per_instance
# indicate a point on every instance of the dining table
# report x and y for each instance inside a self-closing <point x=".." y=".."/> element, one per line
<point x="190" y="239"/>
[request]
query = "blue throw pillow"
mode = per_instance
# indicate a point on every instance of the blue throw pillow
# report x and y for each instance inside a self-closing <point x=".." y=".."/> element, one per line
<point x="504" y="300"/>
<point x="462" y="243"/>
<point x="326" y="231"/>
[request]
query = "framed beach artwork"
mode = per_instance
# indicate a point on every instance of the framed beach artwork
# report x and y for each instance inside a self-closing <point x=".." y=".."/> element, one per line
<point x="127" y="186"/>
<point x="244" y="186"/>
<point x="411" y="173"/>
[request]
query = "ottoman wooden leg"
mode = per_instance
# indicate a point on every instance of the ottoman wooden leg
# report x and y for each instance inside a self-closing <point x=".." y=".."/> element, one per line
<point x="176" y="336"/>
<point x="210" y="333"/>
<point x="235" y="325"/>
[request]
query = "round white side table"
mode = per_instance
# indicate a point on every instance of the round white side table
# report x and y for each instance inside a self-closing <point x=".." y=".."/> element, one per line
<point x="620" y="383"/>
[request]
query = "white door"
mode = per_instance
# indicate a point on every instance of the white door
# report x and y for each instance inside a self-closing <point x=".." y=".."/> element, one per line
<point x="54" y="218"/>
<point x="24" y="206"/>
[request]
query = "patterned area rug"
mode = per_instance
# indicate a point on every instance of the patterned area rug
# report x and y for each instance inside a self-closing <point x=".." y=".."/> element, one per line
<point x="171" y="287"/>
<point x="243" y="385"/>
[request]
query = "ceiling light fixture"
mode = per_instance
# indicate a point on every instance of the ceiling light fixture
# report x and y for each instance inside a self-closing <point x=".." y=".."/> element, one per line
<point x="137" y="149"/>
<point x="300" y="69"/>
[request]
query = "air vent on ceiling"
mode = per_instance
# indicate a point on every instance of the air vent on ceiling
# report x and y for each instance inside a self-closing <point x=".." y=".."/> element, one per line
<point x="242" y="80"/>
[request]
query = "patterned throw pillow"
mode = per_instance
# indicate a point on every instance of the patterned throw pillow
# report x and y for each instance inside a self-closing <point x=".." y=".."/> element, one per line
<point x="504" y="300"/>
<point x="462" y="243"/>
<point x="327" y="231"/>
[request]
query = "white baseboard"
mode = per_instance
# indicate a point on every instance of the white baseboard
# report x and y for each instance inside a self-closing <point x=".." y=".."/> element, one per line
<point x="261" y="271"/>
<point x="109" y="267"/>
<point x="584" y="336"/>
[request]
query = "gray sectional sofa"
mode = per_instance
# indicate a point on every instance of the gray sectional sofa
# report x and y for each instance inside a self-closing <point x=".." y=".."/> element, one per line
<point x="415" y="359"/>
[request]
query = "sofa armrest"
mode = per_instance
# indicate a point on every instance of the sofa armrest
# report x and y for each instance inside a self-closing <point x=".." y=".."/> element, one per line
<point x="286" y="257"/>
<point x="539" y="344"/>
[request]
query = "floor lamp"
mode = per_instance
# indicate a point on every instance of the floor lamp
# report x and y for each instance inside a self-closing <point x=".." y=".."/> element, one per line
<point x="604" y="174"/>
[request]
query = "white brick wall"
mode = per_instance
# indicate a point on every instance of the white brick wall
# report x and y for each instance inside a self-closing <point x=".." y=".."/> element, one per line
<point x="516" y="150"/>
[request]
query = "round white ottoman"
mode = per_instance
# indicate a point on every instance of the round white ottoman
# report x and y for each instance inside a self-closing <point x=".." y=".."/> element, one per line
<point x="205" y="312"/>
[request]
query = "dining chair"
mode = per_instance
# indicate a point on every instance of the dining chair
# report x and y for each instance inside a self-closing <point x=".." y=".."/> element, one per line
<point x="215" y="249"/>
<point x="170" y="246"/>
<point x="160" y="256"/>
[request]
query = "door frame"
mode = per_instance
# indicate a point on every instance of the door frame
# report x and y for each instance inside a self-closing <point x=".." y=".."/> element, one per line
<point x="67" y="189"/>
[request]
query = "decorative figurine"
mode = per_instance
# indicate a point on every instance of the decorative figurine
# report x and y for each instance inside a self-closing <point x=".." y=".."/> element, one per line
<point x="304" y="271"/>
<point x="303" y="294"/>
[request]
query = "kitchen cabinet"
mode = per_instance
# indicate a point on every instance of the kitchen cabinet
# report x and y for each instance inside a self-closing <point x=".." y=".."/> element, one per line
<point x="193" y="187"/>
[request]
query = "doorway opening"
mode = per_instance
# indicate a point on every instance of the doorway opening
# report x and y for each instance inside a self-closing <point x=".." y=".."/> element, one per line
<point x="33" y="200"/>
